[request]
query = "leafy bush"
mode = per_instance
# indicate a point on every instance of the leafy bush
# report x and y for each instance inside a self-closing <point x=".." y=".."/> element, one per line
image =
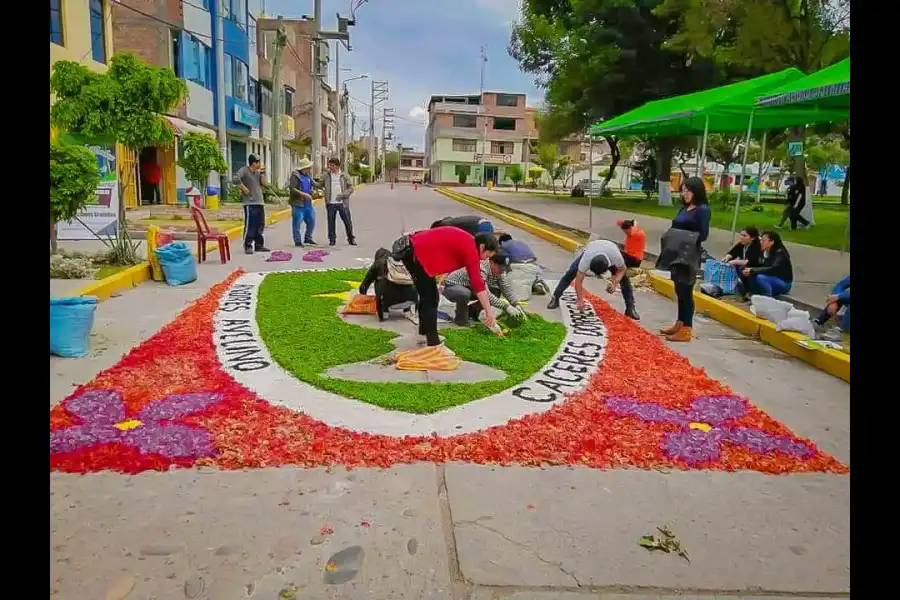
<point x="463" y="173"/>
<point x="272" y="194"/>
<point x="234" y="195"/>
<point x="200" y="156"/>
<point x="365" y="174"/>
<point x="68" y="267"/>
<point x="721" y="198"/>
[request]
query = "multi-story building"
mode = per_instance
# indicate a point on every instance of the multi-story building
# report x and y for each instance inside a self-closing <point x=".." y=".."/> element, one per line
<point x="465" y="130"/>
<point x="411" y="166"/>
<point x="81" y="31"/>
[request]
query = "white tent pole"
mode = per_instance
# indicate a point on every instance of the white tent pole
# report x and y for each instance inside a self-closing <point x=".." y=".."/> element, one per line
<point x="697" y="159"/>
<point x="703" y="151"/>
<point x="737" y="204"/>
<point x="846" y="234"/>
<point x="759" y="173"/>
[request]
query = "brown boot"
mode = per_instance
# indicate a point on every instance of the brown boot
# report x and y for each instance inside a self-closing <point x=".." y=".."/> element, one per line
<point x="685" y="334"/>
<point x="670" y="330"/>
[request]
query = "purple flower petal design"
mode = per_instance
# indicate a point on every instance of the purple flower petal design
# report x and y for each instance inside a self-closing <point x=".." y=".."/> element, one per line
<point x="177" y="406"/>
<point x="81" y="436"/>
<point x="716" y="410"/>
<point x="99" y="407"/>
<point x="693" y="446"/>
<point x="647" y="411"/>
<point x="170" y="440"/>
<point x="762" y="442"/>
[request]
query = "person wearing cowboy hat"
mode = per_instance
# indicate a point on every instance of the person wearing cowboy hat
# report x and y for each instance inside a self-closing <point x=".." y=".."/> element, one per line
<point x="301" y="200"/>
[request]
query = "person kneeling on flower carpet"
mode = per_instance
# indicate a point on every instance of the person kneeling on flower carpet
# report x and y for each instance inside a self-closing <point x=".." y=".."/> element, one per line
<point x="596" y="258"/>
<point x="393" y="284"/>
<point x="525" y="273"/>
<point x="458" y="289"/>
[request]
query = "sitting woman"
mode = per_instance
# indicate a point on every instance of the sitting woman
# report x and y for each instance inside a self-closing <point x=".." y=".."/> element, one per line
<point x="839" y="297"/>
<point x="747" y="251"/>
<point x="774" y="274"/>
<point x="393" y="285"/>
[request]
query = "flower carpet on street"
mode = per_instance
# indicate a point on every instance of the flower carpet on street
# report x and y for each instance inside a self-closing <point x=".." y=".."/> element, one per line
<point x="172" y="402"/>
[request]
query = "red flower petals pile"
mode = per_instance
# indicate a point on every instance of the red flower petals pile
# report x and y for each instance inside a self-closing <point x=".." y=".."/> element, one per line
<point x="248" y="432"/>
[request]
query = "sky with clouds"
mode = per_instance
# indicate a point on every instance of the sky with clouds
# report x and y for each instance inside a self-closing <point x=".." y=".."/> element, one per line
<point x="420" y="47"/>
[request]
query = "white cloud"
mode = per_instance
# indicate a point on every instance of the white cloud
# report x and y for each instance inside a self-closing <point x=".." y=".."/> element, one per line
<point x="418" y="113"/>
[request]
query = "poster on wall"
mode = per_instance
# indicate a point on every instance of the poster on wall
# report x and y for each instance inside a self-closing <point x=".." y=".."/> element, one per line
<point x="101" y="215"/>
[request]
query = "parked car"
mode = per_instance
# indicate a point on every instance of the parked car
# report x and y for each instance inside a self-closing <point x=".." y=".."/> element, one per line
<point x="587" y="187"/>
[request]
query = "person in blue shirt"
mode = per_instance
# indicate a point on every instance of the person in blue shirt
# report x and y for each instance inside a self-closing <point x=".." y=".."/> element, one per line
<point x="523" y="267"/>
<point x="302" y="211"/>
<point x="694" y="215"/>
<point x="840" y="296"/>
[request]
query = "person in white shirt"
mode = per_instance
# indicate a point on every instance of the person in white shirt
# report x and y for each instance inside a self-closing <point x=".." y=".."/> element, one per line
<point x="596" y="258"/>
<point x="338" y="189"/>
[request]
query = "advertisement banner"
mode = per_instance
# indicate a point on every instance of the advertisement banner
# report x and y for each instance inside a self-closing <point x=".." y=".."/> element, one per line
<point x="101" y="215"/>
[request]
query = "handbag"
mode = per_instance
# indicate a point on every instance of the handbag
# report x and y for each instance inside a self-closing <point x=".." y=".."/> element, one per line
<point x="397" y="273"/>
<point x="400" y="247"/>
<point x="720" y="274"/>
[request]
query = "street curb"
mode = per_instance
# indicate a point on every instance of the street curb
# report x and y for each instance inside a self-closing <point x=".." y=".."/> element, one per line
<point x="139" y="273"/>
<point x="832" y="362"/>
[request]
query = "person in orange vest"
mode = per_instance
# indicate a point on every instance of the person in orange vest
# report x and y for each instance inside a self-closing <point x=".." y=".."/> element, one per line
<point x="635" y="243"/>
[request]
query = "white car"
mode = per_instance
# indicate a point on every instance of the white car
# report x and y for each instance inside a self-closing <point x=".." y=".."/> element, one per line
<point x="587" y="187"/>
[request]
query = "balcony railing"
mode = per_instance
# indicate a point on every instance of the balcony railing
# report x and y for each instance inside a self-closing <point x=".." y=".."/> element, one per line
<point x="453" y="107"/>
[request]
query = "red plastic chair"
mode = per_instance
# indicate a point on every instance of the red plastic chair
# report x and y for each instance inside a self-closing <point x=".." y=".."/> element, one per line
<point x="205" y="234"/>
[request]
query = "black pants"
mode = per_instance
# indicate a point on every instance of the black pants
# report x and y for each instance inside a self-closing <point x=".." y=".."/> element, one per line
<point x="569" y="276"/>
<point x="426" y="287"/>
<point x="388" y="294"/>
<point x="793" y="214"/>
<point x="630" y="261"/>
<point x="683" y="277"/>
<point x="333" y="211"/>
<point x="254" y="224"/>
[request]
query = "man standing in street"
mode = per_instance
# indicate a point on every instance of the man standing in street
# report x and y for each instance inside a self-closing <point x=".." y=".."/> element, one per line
<point x="338" y="189"/>
<point x="302" y="211"/>
<point x="251" y="179"/>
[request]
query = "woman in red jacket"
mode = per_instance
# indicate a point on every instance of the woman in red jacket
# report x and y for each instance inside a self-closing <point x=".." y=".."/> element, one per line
<point x="432" y="252"/>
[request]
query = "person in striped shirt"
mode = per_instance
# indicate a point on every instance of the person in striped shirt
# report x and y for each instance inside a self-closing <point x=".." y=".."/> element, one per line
<point x="458" y="289"/>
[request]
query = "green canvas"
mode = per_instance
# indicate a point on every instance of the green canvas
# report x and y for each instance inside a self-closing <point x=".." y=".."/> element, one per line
<point x="828" y="88"/>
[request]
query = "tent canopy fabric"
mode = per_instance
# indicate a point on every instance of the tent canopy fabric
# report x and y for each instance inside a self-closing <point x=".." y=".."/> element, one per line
<point x="724" y="109"/>
<point x="828" y="88"/>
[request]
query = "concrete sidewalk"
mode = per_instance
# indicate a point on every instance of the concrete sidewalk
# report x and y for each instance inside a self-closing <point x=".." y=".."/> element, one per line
<point x="455" y="531"/>
<point x="816" y="270"/>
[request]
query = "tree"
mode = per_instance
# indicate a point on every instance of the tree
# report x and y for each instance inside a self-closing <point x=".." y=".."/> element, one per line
<point x="199" y="157"/>
<point x="365" y="174"/>
<point x="823" y="152"/>
<point x="548" y="158"/>
<point x="763" y="35"/>
<point x="723" y="149"/>
<point x="534" y="174"/>
<point x="73" y="183"/>
<point x="463" y="172"/>
<point x="125" y="106"/>
<point x="597" y="59"/>
<point x="515" y="174"/>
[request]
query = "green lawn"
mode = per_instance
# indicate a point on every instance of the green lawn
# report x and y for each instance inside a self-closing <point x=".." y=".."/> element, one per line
<point x="307" y="337"/>
<point x="831" y="218"/>
<point x="106" y="270"/>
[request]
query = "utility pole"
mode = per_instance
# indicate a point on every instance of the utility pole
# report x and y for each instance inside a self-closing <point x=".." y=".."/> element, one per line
<point x="387" y="128"/>
<point x="484" y="132"/>
<point x="338" y="113"/>
<point x="379" y="96"/>
<point x="277" y="103"/>
<point x="220" y="93"/>
<point x="320" y="51"/>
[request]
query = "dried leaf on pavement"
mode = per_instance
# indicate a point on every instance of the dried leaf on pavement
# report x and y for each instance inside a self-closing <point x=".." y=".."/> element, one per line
<point x="665" y="542"/>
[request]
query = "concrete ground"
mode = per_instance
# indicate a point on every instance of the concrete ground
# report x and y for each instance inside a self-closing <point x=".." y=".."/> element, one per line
<point x="454" y="531"/>
<point x="816" y="270"/>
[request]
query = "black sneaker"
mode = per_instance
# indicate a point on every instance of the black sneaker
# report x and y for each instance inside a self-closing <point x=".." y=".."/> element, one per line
<point x="310" y="243"/>
<point x="262" y="249"/>
<point x="553" y="304"/>
<point x="631" y="313"/>
<point x="298" y="244"/>
<point x="332" y="243"/>
<point x="352" y="243"/>
<point x="248" y="250"/>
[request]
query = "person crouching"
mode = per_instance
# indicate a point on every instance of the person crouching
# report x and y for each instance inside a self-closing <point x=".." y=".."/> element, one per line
<point x="393" y="284"/>
<point x="458" y="289"/>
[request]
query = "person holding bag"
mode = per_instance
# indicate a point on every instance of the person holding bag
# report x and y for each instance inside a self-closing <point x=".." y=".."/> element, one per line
<point x="680" y="253"/>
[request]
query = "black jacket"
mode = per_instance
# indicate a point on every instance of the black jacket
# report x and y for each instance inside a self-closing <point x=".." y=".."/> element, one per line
<point x="468" y="223"/>
<point x="777" y="264"/>
<point x="796" y="197"/>
<point x="752" y="252"/>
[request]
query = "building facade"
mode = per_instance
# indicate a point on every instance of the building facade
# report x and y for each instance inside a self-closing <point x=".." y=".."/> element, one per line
<point x="410" y="167"/>
<point x="465" y="130"/>
<point x="81" y="31"/>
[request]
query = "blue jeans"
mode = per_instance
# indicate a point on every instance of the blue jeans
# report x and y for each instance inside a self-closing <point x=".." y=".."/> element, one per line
<point x="303" y="214"/>
<point x="767" y="285"/>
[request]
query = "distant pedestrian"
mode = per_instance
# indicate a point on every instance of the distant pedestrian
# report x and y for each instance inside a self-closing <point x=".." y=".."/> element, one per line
<point x="302" y="211"/>
<point x="795" y="202"/>
<point x="338" y="189"/>
<point x="251" y="180"/>
<point x="151" y="175"/>
<point x="635" y="243"/>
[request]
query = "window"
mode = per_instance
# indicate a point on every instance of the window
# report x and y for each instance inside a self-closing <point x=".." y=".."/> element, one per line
<point x="241" y="80"/>
<point x="98" y="37"/>
<point x="501" y="124"/>
<point x="265" y="99"/>
<point x="405" y="162"/>
<point x="465" y="121"/>
<point x="464" y="145"/>
<point x="583" y="157"/>
<point x="419" y="162"/>
<point x="56" y="32"/>
<point x="238" y="12"/>
<point x="502" y="147"/>
<point x="197" y="65"/>
<point x="254" y="94"/>
<point x="175" y="59"/>
<point x="507" y="100"/>
<point x="288" y="101"/>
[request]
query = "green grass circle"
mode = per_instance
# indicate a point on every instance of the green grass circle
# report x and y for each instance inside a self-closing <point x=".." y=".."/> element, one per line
<point x="306" y="337"/>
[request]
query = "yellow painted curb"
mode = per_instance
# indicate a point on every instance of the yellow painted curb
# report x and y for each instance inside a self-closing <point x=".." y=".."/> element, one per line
<point x="831" y="361"/>
<point x="139" y="273"/>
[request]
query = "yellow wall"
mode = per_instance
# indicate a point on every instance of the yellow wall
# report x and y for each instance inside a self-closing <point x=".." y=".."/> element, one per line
<point x="76" y="26"/>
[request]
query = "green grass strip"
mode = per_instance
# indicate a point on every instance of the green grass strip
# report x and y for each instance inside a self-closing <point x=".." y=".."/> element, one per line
<point x="306" y="337"/>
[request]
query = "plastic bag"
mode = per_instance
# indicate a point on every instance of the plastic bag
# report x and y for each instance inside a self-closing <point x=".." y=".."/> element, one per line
<point x="710" y="289"/>
<point x="177" y="263"/>
<point x="770" y="309"/>
<point x="721" y="274"/>
<point x="797" y="320"/>
<point x="71" y="321"/>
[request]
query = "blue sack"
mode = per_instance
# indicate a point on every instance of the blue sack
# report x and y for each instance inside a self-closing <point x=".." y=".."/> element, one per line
<point x="71" y="321"/>
<point x="721" y="274"/>
<point x="177" y="263"/>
